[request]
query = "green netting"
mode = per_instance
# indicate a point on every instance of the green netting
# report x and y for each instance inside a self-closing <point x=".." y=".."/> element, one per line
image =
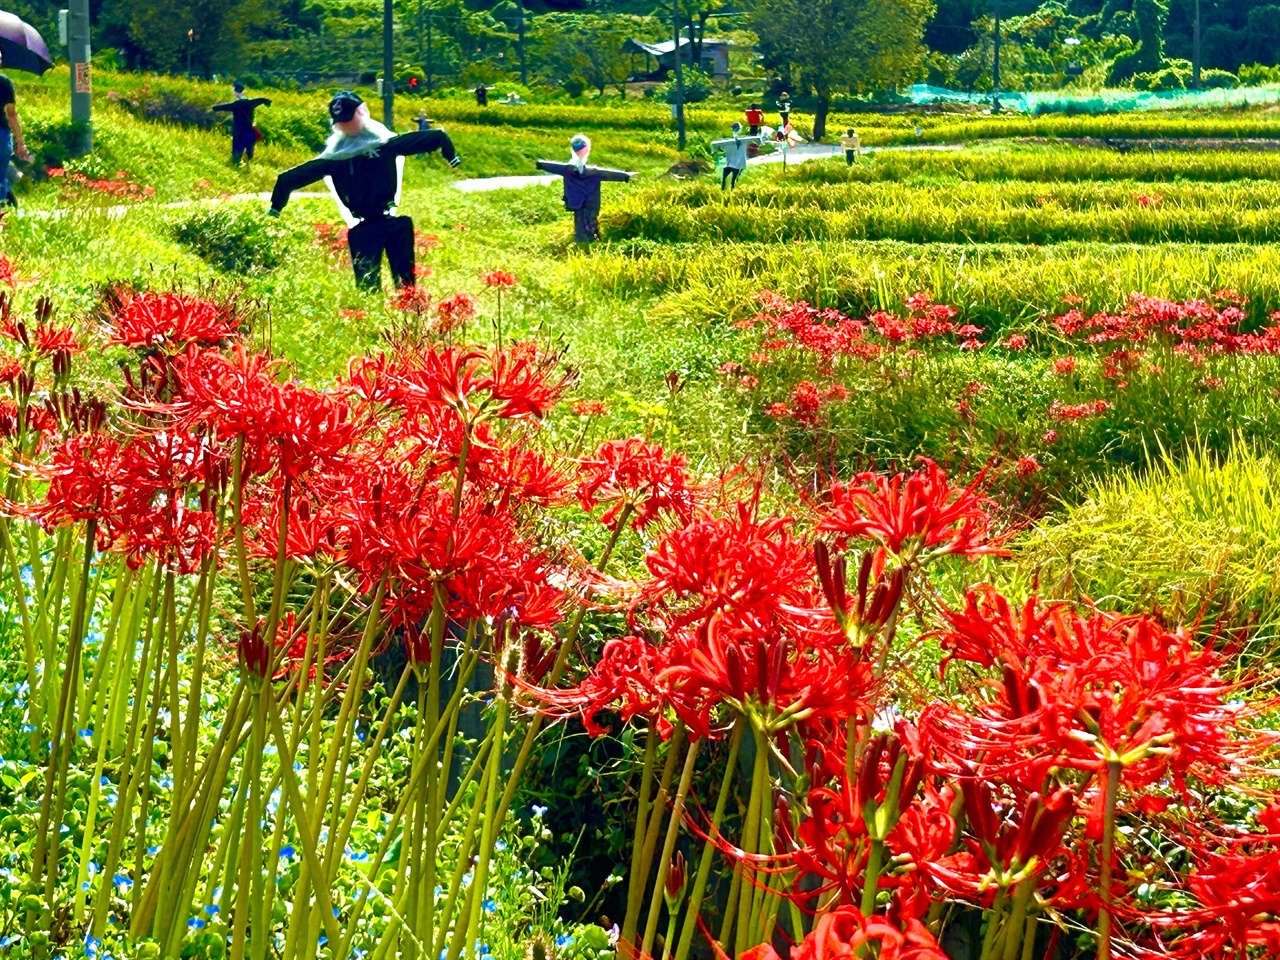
<point x="1102" y="101"/>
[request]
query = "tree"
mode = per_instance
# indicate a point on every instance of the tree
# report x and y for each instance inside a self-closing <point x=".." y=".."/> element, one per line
<point x="834" y="45"/>
<point x="587" y="45"/>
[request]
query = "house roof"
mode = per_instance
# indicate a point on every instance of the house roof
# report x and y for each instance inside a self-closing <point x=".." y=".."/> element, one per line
<point x="664" y="48"/>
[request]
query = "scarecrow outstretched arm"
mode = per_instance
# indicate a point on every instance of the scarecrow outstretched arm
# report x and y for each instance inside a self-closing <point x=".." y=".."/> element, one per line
<point x="604" y="173"/>
<point x="298" y="177"/>
<point x="418" y="142"/>
<point x="559" y="169"/>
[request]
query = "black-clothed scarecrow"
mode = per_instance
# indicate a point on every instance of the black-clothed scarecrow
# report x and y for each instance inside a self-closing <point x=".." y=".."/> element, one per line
<point x="363" y="164"/>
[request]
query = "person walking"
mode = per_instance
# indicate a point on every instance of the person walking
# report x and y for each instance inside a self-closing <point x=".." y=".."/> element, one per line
<point x="852" y="145"/>
<point x="244" y="135"/>
<point x="11" y="141"/>
<point x="363" y="163"/>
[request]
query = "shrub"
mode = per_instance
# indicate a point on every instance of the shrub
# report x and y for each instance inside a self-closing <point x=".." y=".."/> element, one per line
<point x="575" y="86"/>
<point x="1257" y="74"/>
<point x="697" y="88"/>
<point x="233" y="241"/>
<point x="1218" y="79"/>
<point x="167" y="106"/>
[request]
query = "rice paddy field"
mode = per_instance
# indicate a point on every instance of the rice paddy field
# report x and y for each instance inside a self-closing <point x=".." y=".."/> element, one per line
<point x="1001" y="396"/>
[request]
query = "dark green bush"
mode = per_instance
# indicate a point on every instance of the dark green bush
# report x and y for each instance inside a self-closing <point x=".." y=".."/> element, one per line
<point x="234" y="241"/>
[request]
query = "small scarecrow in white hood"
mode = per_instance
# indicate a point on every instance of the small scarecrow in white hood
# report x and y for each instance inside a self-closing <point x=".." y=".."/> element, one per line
<point x="582" y="187"/>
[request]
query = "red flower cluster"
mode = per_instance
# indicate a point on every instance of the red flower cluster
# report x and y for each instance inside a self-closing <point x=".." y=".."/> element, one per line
<point x="1200" y="325"/>
<point x="172" y="320"/>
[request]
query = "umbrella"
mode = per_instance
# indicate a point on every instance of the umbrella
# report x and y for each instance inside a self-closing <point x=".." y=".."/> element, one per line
<point x="21" y="45"/>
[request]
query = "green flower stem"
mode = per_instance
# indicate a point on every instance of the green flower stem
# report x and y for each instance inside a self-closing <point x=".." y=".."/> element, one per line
<point x="764" y="904"/>
<point x="195" y="691"/>
<point x="237" y="517"/>
<point x="128" y="780"/>
<point x="871" y="879"/>
<point x="995" y="920"/>
<point x="1029" y="934"/>
<point x="103" y="720"/>
<point x="690" y="925"/>
<point x="1114" y="768"/>
<point x="251" y="844"/>
<point x="558" y="669"/>
<point x="642" y="815"/>
<point x="106" y="665"/>
<point x="405" y="795"/>
<point x="480" y="880"/>
<point x="668" y="850"/>
<point x="19" y="595"/>
<point x="307" y="835"/>
<point x="638" y="882"/>
<point x="750" y="838"/>
<point x="1017" y="921"/>
<point x="60" y="753"/>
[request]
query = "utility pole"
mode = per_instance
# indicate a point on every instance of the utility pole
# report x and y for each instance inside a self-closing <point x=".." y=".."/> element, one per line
<point x="675" y="32"/>
<point x="430" y="72"/>
<point x="79" y="54"/>
<point x="524" y="68"/>
<point x="995" y="66"/>
<point x="1195" y="55"/>
<point x="388" y="64"/>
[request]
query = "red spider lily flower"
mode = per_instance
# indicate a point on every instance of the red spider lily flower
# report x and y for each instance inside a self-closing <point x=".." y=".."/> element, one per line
<point x="1064" y="365"/>
<point x="146" y="320"/>
<point x="413" y="299"/>
<point x="515" y="382"/>
<point x="499" y="278"/>
<point x="918" y="516"/>
<point x="588" y="408"/>
<point x="7" y="276"/>
<point x="254" y="653"/>
<point x="455" y="311"/>
<point x="639" y="477"/>
<point x="1016" y="342"/>
<point x="1027" y="466"/>
<point x="288" y="427"/>
<point x="1077" y="411"/>
<point x="845" y="934"/>
<point x="1082" y="691"/>
<point x="918" y="302"/>
<point x="673" y="891"/>
<point x="1049" y="437"/>
<point x="425" y="241"/>
<point x="85" y="475"/>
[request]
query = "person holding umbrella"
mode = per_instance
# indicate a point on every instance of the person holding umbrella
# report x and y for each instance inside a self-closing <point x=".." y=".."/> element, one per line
<point x="244" y="135"/>
<point x="11" y="142"/>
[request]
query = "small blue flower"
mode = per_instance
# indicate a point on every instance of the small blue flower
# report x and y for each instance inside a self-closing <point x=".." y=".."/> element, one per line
<point x="87" y="732"/>
<point x="121" y="881"/>
<point x="499" y="846"/>
<point x="564" y="940"/>
<point x="195" y="923"/>
<point x="490" y="906"/>
<point x="211" y="909"/>
<point x="286" y="853"/>
<point x="152" y="850"/>
<point x="323" y="940"/>
<point x="539" y="811"/>
<point x="104" y="781"/>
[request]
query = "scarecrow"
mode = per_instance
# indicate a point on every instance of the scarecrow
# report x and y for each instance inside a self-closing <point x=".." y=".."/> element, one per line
<point x="363" y="164"/>
<point x="735" y="150"/>
<point x="582" y="187"/>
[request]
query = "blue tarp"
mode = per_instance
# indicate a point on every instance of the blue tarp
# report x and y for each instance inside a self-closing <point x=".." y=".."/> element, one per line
<point x="1098" y="101"/>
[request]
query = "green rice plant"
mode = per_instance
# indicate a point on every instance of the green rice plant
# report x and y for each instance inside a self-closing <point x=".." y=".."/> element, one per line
<point x="964" y="212"/>
<point x="1196" y="526"/>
